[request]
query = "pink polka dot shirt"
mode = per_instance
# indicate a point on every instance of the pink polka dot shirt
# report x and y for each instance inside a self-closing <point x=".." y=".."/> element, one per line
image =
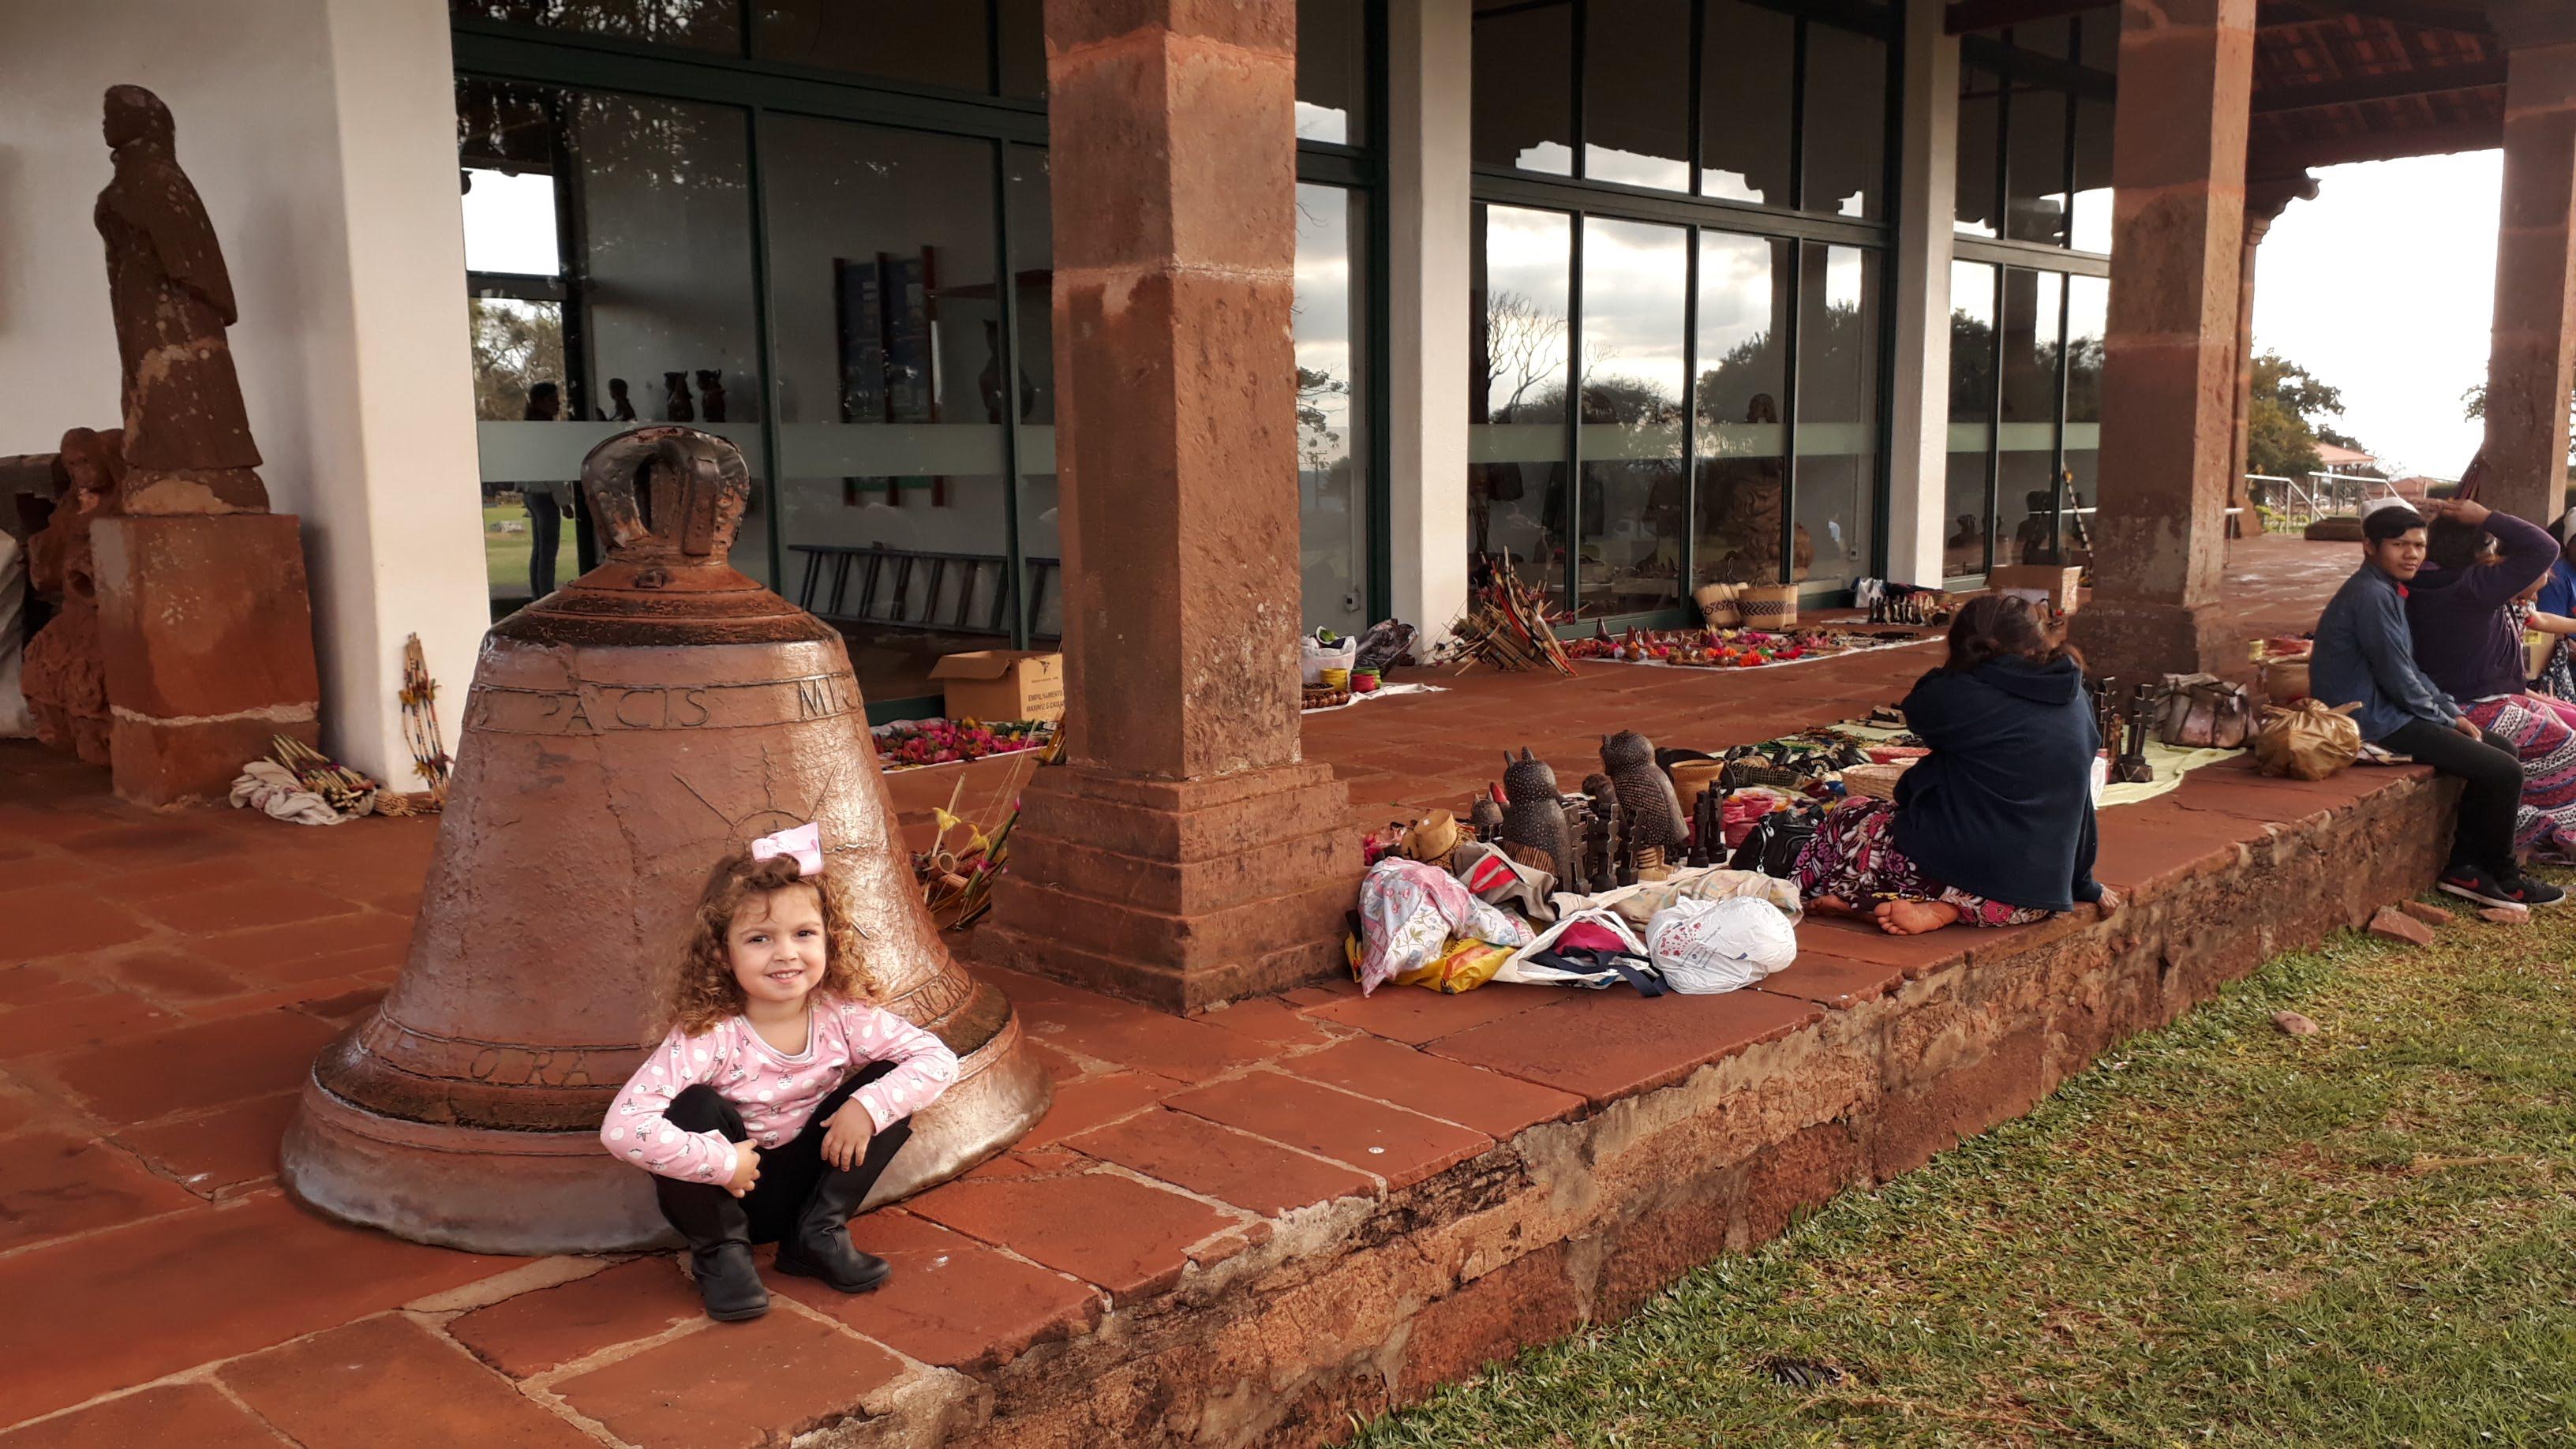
<point x="776" y="1093"/>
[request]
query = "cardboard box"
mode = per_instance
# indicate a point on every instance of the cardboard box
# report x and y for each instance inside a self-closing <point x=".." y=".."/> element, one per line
<point x="1002" y="684"/>
<point x="2059" y="585"/>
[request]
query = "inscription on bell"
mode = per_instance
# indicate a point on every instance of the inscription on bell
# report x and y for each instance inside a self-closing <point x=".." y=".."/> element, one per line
<point x="593" y="709"/>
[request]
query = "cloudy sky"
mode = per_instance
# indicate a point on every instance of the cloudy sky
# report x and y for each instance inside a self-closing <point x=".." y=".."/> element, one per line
<point x="2384" y="286"/>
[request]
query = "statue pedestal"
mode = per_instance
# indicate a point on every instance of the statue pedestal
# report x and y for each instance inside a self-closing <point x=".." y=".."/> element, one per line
<point x="206" y="634"/>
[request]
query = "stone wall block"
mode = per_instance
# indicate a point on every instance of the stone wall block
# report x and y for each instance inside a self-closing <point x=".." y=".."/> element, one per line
<point x="1261" y="25"/>
<point x="204" y="615"/>
<point x="2539" y="169"/>
<point x="1793" y="1176"/>
<point x="1186" y="887"/>
<point x="2178" y="285"/>
<point x="1914" y="1125"/>
<point x="2150" y="151"/>
<point x="1189" y="124"/>
<point x="1530" y="1301"/>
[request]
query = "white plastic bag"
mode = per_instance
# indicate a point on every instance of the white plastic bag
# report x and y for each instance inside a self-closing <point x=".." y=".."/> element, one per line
<point x="1523" y="970"/>
<point x="1313" y="658"/>
<point x="1408" y="912"/>
<point x="1705" y="946"/>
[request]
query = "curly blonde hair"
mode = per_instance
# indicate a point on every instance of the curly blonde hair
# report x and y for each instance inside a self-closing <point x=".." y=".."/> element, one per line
<point x="701" y="992"/>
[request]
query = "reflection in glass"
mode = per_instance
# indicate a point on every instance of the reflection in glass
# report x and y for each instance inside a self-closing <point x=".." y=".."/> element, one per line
<point x="1636" y="282"/>
<point x="1980" y="119"/>
<point x="1024" y="175"/>
<point x="2035" y="166"/>
<point x="1845" y="140"/>
<point x="934" y="44"/>
<point x="886" y="330"/>
<point x="1972" y="418"/>
<point x="1332" y="71"/>
<point x="634" y="323"/>
<point x="1636" y="93"/>
<point x="1021" y="47"/>
<point x="1522" y="113"/>
<point x="1742" y="447"/>
<point x="1747" y="65"/>
<point x="2088" y="308"/>
<point x="2026" y="437"/>
<point x="1837" y="422"/>
<point x="1517" y="361"/>
<point x="698" y="24"/>
<point x="1332" y="451"/>
<point x="2090" y="218"/>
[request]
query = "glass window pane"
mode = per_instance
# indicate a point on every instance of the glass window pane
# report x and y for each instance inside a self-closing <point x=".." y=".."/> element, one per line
<point x="1332" y="407"/>
<point x="1022" y="47"/>
<point x="1522" y="113"/>
<point x="2035" y="162"/>
<point x="1837" y="429"/>
<point x="935" y="44"/>
<point x="887" y="336"/>
<point x="1033" y="265"/>
<point x="1746" y="70"/>
<point x="1518" y="293"/>
<point x="1980" y="123"/>
<point x="698" y="24"/>
<point x="1636" y="279"/>
<point x="1846" y="130"/>
<point x="1637" y="93"/>
<point x="1332" y="71"/>
<point x="1743" y="375"/>
<point x="2090" y="222"/>
<point x="2088" y="311"/>
<point x="656" y="319"/>
<point x="1972" y="417"/>
<point x="2026" y="435"/>
<point x="518" y="379"/>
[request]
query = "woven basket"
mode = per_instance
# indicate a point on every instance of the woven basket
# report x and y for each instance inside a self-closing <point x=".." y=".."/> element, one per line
<point x="1769" y="606"/>
<point x="1875" y="782"/>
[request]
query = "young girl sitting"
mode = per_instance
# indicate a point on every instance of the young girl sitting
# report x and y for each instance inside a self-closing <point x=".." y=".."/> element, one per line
<point x="781" y="1092"/>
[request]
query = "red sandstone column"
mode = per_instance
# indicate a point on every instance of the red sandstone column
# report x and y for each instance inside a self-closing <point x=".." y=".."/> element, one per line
<point x="2264" y="203"/>
<point x="2534" y="353"/>
<point x="1186" y="855"/>
<point x="2169" y="370"/>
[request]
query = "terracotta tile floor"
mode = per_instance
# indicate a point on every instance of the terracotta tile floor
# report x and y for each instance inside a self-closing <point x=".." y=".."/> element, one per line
<point x="166" y="980"/>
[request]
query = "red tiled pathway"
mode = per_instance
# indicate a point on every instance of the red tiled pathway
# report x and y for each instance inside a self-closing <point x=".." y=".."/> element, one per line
<point x="166" y="980"/>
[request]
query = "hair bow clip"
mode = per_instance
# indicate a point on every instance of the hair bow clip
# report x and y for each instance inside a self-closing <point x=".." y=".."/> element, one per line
<point x="803" y="844"/>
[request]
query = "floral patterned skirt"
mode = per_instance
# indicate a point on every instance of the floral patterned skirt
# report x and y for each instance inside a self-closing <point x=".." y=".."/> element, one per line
<point x="1853" y="858"/>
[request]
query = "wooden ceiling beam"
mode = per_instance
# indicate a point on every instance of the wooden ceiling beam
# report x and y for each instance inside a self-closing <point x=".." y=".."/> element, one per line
<point x="2393" y="86"/>
<point x="2265" y="162"/>
<point x="2430" y="14"/>
<point x="1967" y="16"/>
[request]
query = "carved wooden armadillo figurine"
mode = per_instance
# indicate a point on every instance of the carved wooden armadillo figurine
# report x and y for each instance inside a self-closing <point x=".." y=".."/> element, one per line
<point x="1534" y="818"/>
<point x="1485" y="817"/>
<point x="1650" y="812"/>
<point x="1605" y="847"/>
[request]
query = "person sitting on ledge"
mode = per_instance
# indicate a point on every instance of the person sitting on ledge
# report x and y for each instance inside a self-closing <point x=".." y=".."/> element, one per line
<point x="1995" y="826"/>
<point x="2462" y="620"/>
<point x="782" y="1092"/>
<point x="2365" y="657"/>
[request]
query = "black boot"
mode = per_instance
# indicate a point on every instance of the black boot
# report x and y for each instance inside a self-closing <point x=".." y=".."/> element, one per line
<point x="819" y="1244"/>
<point x="719" y="1235"/>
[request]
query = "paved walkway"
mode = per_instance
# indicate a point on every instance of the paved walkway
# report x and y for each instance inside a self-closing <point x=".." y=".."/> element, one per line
<point x="165" y="982"/>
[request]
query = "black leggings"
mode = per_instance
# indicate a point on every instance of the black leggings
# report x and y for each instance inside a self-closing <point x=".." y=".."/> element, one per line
<point x="2493" y="773"/>
<point x="788" y="1171"/>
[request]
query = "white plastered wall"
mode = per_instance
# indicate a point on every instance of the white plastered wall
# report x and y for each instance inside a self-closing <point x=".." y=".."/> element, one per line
<point x="1919" y="408"/>
<point x="1429" y="52"/>
<point x="321" y="134"/>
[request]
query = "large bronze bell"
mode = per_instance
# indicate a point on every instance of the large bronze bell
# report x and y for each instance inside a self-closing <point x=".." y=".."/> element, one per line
<point x="623" y="733"/>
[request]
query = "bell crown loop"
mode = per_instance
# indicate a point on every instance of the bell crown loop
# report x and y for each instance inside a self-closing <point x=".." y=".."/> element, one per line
<point x="667" y="495"/>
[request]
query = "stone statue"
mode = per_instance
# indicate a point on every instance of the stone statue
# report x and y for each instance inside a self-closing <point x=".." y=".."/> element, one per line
<point x="64" y="678"/>
<point x="1649" y="810"/>
<point x="188" y="447"/>
<point x="1535" y="829"/>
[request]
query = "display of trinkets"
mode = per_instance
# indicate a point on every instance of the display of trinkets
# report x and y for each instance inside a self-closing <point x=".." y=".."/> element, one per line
<point x="1535" y="828"/>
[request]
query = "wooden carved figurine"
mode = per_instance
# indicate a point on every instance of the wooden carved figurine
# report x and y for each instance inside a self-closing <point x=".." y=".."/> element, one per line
<point x="711" y="395"/>
<point x="1649" y="810"/>
<point x="2132" y="767"/>
<point x="1535" y="829"/>
<point x="187" y="443"/>
<point x="676" y="407"/>
<point x="1485" y="817"/>
<point x="622" y="407"/>
<point x="1606" y="857"/>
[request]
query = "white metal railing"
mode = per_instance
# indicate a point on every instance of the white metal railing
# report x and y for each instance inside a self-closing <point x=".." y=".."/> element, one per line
<point x="2317" y="495"/>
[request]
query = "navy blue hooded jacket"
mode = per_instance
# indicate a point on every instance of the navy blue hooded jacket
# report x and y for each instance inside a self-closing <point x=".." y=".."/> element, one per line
<point x="2003" y="806"/>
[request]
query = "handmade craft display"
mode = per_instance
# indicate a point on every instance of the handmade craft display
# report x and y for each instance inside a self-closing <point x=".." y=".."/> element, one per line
<point x="1535" y="828"/>
<point x="1652" y="813"/>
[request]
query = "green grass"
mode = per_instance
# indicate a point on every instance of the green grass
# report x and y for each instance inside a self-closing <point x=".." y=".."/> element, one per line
<point x="505" y="555"/>
<point x="2219" y="1235"/>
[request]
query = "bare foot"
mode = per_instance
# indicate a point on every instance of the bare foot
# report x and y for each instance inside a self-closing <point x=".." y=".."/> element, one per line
<point x="1831" y="906"/>
<point x="1914" y="918"/>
